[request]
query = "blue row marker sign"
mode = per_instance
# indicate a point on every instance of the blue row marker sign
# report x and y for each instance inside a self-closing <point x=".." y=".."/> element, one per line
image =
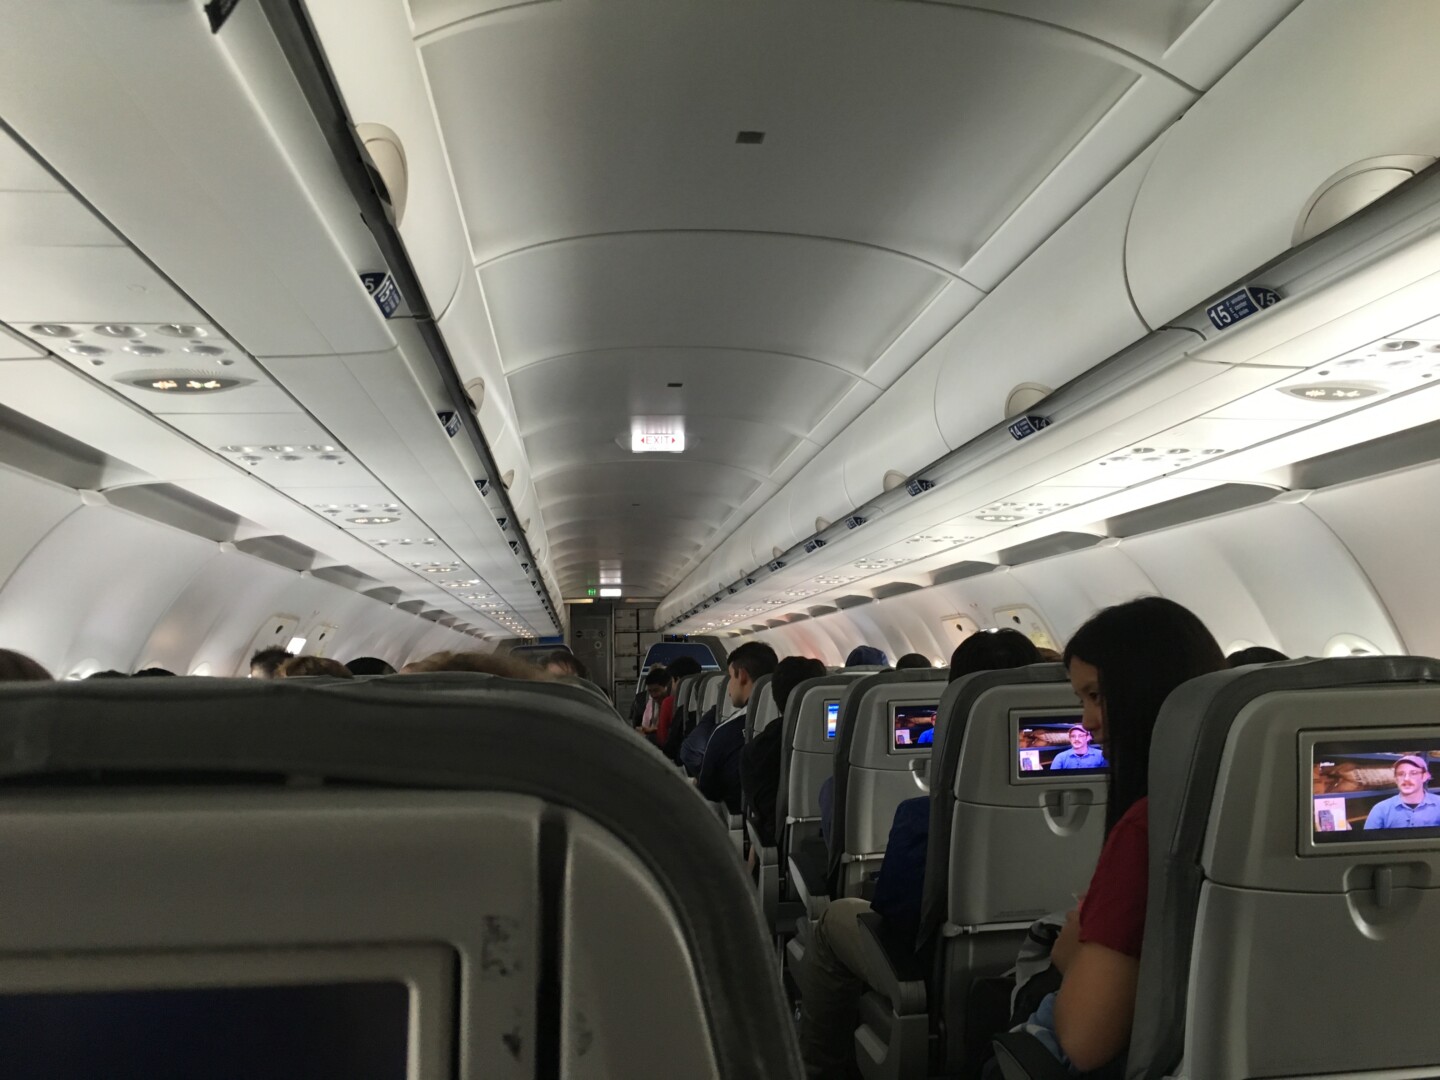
<point x="383" y="291"/>
<point x="1026" y="426"/>
<point x="1241" y="304"/>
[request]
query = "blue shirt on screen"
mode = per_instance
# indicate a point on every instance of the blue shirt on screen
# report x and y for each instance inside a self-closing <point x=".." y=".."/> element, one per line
<point x="1093" y="758"/>
<point x="1394" y="813"/>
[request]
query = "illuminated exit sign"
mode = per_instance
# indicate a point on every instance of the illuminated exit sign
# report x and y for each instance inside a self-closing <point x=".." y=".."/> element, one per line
<point x="657" y="435"/>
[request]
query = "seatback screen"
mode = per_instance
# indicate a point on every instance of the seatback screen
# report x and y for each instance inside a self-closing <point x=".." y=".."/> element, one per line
<point x="1375" y="790"/>
<point x="832" y="718"/>
<point x="341" y="1031"/>
<point x="914" y="725"/>
<point x="1056" y="744"/>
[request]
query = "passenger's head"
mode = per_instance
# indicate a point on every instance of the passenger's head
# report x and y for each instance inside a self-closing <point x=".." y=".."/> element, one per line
<point x="912" y="660"/>
<point x="1123" y="664"/>
<point x="680" y="667"/>
<point x="301" y="666"/>
<point x="992" y="651"/>
<point x="790" y="673"/>
<point x="657" y="683"/>
<point x="17" y="667"/>
<point x="265" y="664"/>
<point x="1256" y="654"/>
<point x="565" y="662"/>
<point x="154" y="673"/>
<point x="478" y="663"/>
<point x="369" y="665"/>
<point x="109" y="673"/>
<point x="747" y="664"/>
<point x="866" y="656"/>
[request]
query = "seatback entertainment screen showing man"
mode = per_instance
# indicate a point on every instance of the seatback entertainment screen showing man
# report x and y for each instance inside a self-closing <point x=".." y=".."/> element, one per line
<point x="1057" y="744"/>
<point x="1374" y="790"/>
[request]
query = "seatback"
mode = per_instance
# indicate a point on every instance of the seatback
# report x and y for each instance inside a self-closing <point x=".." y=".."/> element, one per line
<point x="983" y="808"/>
<point x="686" y="695"/>
<point x="872" y="774"/>
<point x="1259" y="893"/>
<point x="715" y="695"/>
<point x="504" y="855"/>
<point x="761" y="708"/>
<point x="807" y="756"/>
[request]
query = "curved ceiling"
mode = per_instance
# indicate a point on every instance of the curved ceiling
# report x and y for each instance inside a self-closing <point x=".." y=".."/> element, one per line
<point x="627" y="237"/>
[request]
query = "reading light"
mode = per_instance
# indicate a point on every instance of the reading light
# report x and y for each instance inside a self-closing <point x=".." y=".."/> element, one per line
<point x="182" y="382"/>
<point x="296" y="644"/>
<point x="378" y="520"/>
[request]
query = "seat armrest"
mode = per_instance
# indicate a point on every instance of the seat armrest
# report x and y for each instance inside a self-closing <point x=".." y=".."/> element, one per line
<point x="807" y="877"/>
<point x="768" y="856"/>
<point x="1021" y="1056"/>
<point x="891" y="967"/>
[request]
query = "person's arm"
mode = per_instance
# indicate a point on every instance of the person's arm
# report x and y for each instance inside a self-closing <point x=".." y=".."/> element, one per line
<point x="1095" y="1006"/>
<point x="712" y="769"/>
<point x="1068" y="942"/>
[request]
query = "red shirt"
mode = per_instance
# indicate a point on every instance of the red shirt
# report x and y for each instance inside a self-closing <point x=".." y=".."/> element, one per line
<point x="1113" y="913"/>
<point x="662" y="726"/>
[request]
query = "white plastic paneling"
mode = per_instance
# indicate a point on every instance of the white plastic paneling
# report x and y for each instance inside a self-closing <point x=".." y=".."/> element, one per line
<point x="1336" y="83"/>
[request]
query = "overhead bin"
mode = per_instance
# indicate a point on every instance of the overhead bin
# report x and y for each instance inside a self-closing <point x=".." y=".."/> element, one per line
<point x="1333" y="86"/>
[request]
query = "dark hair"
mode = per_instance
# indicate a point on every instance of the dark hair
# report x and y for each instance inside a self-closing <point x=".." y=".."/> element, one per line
<point x="17" y="667"/>
<point x="108" y="673"/>
<point x="992" y="650"/>
<point x="269" y="660"/>
<point x="790" y="673"/>
<point x="867" y="656"/>
<point x="369" y="665"/>
<point x="755" y="658"/>
<point x="567" y="662"/>
<point x="153" y="673"/>
<point x="1143" y="650"/>
<point x="1256" y="654"/>
<point x="478" y="663"/>
<point x="913" y="660"/>
<point x="300" y="666"/>
<point x="657" y="676"/>
<point x="682" y="666"/>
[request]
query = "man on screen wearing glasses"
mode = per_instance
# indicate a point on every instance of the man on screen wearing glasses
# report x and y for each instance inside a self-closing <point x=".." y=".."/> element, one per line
<point x="1415" y="807"/>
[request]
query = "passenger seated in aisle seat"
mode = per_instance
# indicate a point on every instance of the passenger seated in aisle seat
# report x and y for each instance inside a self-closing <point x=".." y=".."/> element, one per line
<point x="1123" y="664"/>
<point x="912" y="660"/>
<point x="829" y="1003"/>
<point x="692" y="750"/>
<point x="719" y="779"/>
<point x="565" y="663"/>
<point x="1256" y="654"/>
<point x="657" y="686"/>
<point x="369" y="665"/>
<point x="760" y="760"/>
<point x="300" y="666"/>
<point x="478" y="663"/>
<point x="643" y="707"/>
<point x="667" y="732"/>
<point x="17" y="667"/>
<point x="265" y="664"/>
<point x="154" y="673"/>
<point x="867" y="656"/>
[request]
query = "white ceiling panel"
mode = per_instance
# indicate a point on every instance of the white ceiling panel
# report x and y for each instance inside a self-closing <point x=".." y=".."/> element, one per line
<point x="838" y="303"/>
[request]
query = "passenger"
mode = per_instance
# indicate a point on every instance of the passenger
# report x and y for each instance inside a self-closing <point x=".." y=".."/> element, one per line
<point x="477" y="663"/>
<point x="153" y="673"/>
<point x="17" y="667"/>
<point x="668" y="734"/>
<point x="760" y="760"/>
<point x="692" y="749"/>
<point x="1049" y="656"/>
<point x="719" y="779"/>
<point x="109" y="673"/>
<point x="369" y="665"/>
<point x="657" y="687"/>
<point x="1081" y="754"/>
<point x="265" y="664"/>
<point x="643" y="706"/>
<point x="1123" y="664"/>
<point x="866" y="656"/>
<point x="1415" y="807"/>
<point x="1255" y="654"/>
<point x="912" y="661"/>
<point x="831" y="998"/>
<point x="565" y="662"/>
<point x="304" y="666"/>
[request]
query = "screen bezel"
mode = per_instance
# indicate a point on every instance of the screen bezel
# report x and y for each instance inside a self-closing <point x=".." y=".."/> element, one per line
<point x="895" y="707"/>
<point x="1379" y="845"/>
<point x="825" y="707"/>
<point x="430" y="974"/>
<point x="1019" y="718"/>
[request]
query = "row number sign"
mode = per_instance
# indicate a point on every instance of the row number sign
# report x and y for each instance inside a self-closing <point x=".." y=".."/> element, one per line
<point x="1241" y="304"/>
